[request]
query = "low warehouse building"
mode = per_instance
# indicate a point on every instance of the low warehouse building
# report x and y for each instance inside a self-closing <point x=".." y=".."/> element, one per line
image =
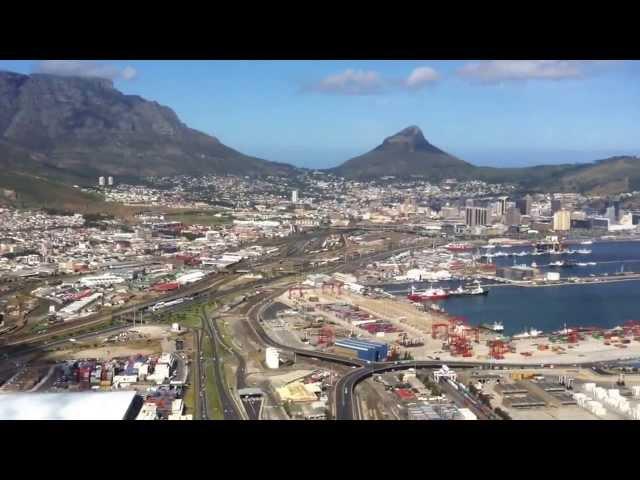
<point x="365" y="350"/>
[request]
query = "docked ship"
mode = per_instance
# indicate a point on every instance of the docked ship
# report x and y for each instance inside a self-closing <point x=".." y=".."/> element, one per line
<point x="495" y="326"/>
<point x="586" y="242"/>
<point x="550" y="245"/>
<point x="562" y="264"/>
<point x="471" y="290"/>
<point x="427" y="295"/>
<point x="564" y="331"/>
<point x="532" y="333"/>
<point x="459" y="247"/>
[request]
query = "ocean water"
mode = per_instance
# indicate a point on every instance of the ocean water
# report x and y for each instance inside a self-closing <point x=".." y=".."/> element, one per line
<point x="550" y="308"/>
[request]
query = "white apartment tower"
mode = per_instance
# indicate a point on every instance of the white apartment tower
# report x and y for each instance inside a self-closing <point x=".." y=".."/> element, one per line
<point x="110" y="181"/>
<point x="101" y="181"/>
<point x="294" y="196"/>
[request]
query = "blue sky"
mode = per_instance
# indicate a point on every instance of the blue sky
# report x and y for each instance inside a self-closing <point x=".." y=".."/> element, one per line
<point x="320" y="113"/>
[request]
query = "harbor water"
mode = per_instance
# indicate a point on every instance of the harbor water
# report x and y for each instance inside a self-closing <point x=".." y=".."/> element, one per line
<point x="609" y="258"/>
<point x="549" y="308"/>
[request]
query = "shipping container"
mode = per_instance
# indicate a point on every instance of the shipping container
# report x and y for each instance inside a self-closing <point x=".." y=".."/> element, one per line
<point x="345" y="352"/>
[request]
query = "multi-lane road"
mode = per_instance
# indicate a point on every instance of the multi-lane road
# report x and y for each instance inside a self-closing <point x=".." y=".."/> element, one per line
<point x="230" y="410"/>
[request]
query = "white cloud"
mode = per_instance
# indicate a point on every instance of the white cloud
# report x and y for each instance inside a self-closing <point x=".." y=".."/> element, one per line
<point x="420" y="77"/>
<point x="368" y="82"/>
<point x="350" y="82"/>
<point x="495" y="71"/>
<point x="85" y="68"/>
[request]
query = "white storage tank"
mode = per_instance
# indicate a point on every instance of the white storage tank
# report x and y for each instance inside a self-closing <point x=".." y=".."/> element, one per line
<point x="272" y="357"/>
<point x="589" y="387"/>
<point x="636" y="390"/>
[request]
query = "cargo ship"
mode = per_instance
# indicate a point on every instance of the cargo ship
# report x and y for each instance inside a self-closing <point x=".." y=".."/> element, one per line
<point x="562" y="264"/>
<point x="427" y="295"/>
<point x="471" y="290"/>
<point x="494" y="327"/>
<point x="459" y="247"/>
<point x="532" y="333"/>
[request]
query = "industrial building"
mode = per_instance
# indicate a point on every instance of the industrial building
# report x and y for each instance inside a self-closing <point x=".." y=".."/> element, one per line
<point x="364" y="350"/>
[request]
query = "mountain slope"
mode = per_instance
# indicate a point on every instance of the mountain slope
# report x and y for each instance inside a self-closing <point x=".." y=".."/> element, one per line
<point x="84" y="127"/>
<point x="408" y="154"/>
<point x="405" y="154"/>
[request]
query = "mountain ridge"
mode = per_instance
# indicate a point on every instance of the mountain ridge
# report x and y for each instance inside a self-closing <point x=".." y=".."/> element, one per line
<point x="408" y="154"/>
<point x="71" y="130"/>
<point x="88" y="127"/>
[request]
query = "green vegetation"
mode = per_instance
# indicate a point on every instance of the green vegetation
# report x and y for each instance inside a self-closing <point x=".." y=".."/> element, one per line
<point x="189" y="317"/>
<point x="433" y="387"/>
<point x="198" y="217"/>
<point x="33" y="191"/>
<point x="214" y="406"/>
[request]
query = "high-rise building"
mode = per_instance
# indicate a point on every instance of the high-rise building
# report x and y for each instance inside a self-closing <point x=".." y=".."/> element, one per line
<point x="101" y="181"/>
<point x="611" y="214"/>
<point x="475" y="216"/>
<point x="512" y="216"/>
<point x="524" y="205"/>
<point x="294" y="196"/>
<point x="110" y="181"/>
<point x="556" y="204"/>
<point x="562" y="220"/>
<point x="502" y="205"/>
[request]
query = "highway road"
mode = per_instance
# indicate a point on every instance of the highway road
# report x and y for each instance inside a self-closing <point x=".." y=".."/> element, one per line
<point x="199" y="407"/>
<point x="230" y="409"/>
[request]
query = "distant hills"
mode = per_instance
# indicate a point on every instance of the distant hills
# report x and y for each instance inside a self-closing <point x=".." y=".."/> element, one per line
<point x="59" y="131"/>
<point x="408" y="154"/>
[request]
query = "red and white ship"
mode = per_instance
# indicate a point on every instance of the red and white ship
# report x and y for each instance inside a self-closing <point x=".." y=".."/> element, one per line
<point x="459" y="247"/>
<point x="428" y="294"/>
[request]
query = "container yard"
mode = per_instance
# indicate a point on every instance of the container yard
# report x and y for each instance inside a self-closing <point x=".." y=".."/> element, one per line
<point x="320" y="312"/>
